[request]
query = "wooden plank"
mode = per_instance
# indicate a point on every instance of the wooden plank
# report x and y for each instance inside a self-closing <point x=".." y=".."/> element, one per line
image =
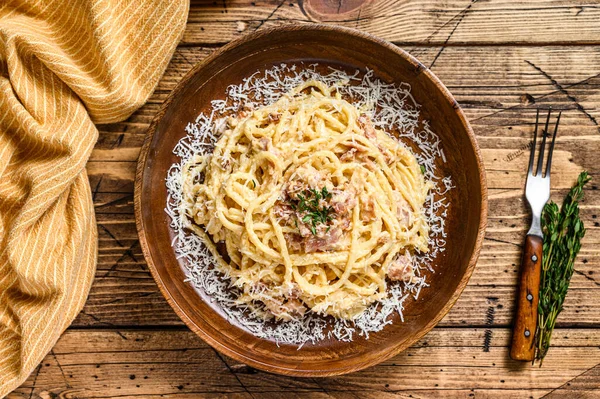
<point x="584" y="385"/>
<point x="434" y="22"/>
<point x="446" y="362"/>
<point x="112" y="177"/>
<point x="502" y="74"/>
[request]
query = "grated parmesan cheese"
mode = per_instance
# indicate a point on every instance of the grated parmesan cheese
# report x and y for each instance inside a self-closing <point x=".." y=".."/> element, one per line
<point x="390" y="107"/>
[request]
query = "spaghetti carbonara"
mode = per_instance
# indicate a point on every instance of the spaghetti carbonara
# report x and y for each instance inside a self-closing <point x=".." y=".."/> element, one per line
<point x="315" y="207"/>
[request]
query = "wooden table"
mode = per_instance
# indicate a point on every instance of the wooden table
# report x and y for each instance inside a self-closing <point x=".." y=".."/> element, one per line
<point x="500" y="59"/>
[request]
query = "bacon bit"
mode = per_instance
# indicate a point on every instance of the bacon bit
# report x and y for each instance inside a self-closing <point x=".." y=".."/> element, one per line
<point x="387" y="156"/>
<point x="369" y="165"/>
<point x="383" y="239"/>
<point x="310" y="175"/>
<point x="368" y="208"/>
<point x="344" y="222"/>
<point x="283" y="212"/>
<point x="294" y="241"/>
<point x="284" y="306"/>
<point x="401" y="269"/>
<point x="343" y="201"/>
<point x="322" y="236"/>
<point x="247" y="109"/>
<point x="264" y="143"/>
<point x="359" y="150"/>
<point x="274" y="117"/>
<point x="285" y="310"/>
<point x="294" y="291"/>
<point x="352" y="144"/>
<point x="225" y="163"/>
<point x="403" y="209"/>
<point x="365" y="123"/>
<point x="369" y="131"/>
<point x="348" y="154"/>
<point x="304" y="229"/>
<point x="327" y="243"/>
<point x="294" y="187"/>
<point x="323" y="241"/>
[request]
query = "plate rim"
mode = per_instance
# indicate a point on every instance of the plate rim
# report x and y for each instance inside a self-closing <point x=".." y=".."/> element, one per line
<point x="271" y="367"/>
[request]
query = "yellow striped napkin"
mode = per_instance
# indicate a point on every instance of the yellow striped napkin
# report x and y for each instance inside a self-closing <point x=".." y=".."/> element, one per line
<point x="64" y="65"/>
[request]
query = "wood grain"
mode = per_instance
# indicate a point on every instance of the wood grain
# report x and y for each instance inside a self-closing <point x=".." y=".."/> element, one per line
<point x="433" y="22"/>
<point x="448" y="362"/>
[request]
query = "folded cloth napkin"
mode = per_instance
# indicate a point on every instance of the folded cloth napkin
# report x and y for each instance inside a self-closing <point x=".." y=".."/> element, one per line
<point x="64" y="65"/>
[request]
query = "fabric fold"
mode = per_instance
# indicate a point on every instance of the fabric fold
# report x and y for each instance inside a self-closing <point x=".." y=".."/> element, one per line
<point x="64" y="66"/>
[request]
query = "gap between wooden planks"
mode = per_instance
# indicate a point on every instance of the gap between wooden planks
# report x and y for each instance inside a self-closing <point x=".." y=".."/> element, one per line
<point x="450" y="361"/>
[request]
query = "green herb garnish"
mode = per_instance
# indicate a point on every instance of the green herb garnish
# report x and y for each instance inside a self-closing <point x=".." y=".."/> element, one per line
<point x="254" y="184"/>
<point x="422" y="169"/>
<point x="563" y="231"/>
<point x="308" y="203"/>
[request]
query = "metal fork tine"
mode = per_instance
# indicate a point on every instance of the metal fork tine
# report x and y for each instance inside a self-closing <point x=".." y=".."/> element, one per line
<point x="551" y="150"/>
<point x="538" y="171"/>
<point x="532" y="153"/>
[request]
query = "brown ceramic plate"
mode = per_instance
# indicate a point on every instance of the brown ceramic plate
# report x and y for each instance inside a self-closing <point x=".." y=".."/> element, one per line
<point x="329" y="46"/>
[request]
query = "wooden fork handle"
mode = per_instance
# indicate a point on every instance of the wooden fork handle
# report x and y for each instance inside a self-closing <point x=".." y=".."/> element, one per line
<point x="527" y="304"/>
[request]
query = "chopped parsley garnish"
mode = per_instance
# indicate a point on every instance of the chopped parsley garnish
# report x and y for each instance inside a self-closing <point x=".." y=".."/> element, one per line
<point x="422" y="169"/>
<point x="308" y="204"/>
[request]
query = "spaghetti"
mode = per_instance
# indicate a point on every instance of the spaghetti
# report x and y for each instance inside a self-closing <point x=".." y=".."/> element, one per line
<point x="315" y="206"/>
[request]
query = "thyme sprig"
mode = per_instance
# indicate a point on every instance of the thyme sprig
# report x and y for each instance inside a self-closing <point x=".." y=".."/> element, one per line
<point x="563" y="231"/>
<point x="308" y="204"/>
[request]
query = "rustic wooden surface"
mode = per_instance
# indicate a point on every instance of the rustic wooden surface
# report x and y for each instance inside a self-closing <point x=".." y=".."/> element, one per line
<point x="500" y="59"/>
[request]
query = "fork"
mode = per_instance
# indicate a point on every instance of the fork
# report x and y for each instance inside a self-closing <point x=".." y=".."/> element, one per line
<point x="537" y="192"/>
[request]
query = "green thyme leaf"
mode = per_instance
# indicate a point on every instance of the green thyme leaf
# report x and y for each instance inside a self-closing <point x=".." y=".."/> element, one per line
<point x="309" y="205"/>
<point x="563" y="232"/>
